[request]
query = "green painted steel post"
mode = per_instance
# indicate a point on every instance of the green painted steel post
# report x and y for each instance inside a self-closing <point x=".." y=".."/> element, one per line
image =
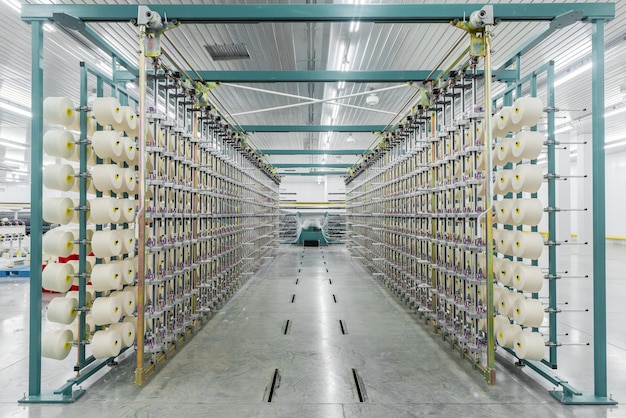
<point x="551" y="159"/>
<point x="36" y="195"/>
<point x="599" y="200"/>
<point x="82" y="226"/>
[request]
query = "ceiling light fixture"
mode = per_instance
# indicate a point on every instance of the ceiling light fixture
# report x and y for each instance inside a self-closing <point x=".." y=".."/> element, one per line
<point x="615" y="112"/>
<point x="372" y="99"/>
<point x="354" y="26"/>
<point x="350" y="138"/>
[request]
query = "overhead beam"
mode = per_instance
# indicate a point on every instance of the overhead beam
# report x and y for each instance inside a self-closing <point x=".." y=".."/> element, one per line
<point x="326" y="76"/>
<point x="330" y="76"/>
<point x="313" y="128"/>
<point x="314" y="173"/>
<point x="255" y="13"/>
<point x="358" y="152"/>
<point x="311" y="165"/>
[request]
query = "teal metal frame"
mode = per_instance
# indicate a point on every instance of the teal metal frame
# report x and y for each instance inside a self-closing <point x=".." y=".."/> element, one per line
<point x="75" y="17"/>
<point x="388" y="13"/>
<point x="312" y="165"/>
<point x="357" y="152"/>
<point x="314" y="128"/>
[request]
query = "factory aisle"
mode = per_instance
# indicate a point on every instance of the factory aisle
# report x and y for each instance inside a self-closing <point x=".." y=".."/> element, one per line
<point x="320" y="319"/>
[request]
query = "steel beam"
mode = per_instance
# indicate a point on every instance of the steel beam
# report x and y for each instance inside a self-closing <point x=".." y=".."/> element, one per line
<point x="313" y="76"/>
<point x="36" y="214"/>
<point x="314" y="173"/>
<point x="313" y="128"/>
<point x="358" y="152"/>
<point x="255" y="13"/>
<point x="329" y="76"/>
<point x="311" y="165"/>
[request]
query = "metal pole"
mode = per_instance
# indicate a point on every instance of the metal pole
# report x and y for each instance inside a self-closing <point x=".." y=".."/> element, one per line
<point x="141" y="213"/>
<point x="36" y="195"/>
<point x="599" y="221"/>
<point x="490" y="372"/>
<point x="552" y="270"/>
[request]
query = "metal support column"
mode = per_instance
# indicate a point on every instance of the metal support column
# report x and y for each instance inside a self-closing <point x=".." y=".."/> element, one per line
<point x="36" y="196"/>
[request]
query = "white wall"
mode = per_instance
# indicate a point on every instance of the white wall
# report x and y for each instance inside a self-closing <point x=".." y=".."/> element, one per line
<point x="309" y="189"/>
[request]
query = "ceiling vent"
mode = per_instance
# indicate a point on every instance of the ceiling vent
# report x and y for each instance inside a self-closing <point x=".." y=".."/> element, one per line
<point x="228" y="52"/>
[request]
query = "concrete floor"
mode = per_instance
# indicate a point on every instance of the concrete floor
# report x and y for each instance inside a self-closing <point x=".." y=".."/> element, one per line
<point x="226" y="370"/>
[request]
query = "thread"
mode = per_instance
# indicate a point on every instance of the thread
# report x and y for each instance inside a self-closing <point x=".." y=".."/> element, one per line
<point x="498" y="293"/>
<point x="505" y="123"/>
<point x="503" y="210"/>
<point x="528" y="312"/>
<point x="527" y="145"/>
<point x="105" y="210"/>
<point x="128" y="210"/>
<point x="89" y="296"/>
<point x="526" y="178"/>
<point x="130" y="151"/>
<point x="74" y="328"/>
<point x="56" y="344"/>
<point x="58" y="110"/>
<point x="129" y="121"/>
<point x="106" y="243"/>
<point x="507" y="303"/>
<point x="500" y="321"/>
<point x="504" y="244"/>
<point x="503" y="181"/>
<point x="504" y="274"/>
<point x="105" y="277"/>
<point x="90" y="122"/>
<point x="126" y="330"/>
<point x="127" y="300"/>
<point x="529" y="346"/>
<point x="106" y="344"/>
<point x="496" y="132"/>
<point x="58" y="210"/>
<point x="527" y="212"/>
<point x="58" y="143"/>
<point x="129" y="240"/>
<point x="527" y="244"/>
<point x="58" y="242"/>
<point x="107" y="144"/>
<point x="62" y="310"/>
<point x="106" y="177"/>
<point x="106" y="310"/>
<point x="528" y="278"/>
<point x="506" y="335"/>
<point x="58" y="177"/>
<point x="127" y="269"/>
<point x="107" y="111"/>
<point x="503" y="151"/>
<point x="527" y="111"/>
<point x="57" y="277"/>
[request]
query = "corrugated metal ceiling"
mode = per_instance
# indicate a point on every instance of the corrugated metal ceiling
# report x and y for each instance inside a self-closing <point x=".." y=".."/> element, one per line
<point x="302" y="46"/>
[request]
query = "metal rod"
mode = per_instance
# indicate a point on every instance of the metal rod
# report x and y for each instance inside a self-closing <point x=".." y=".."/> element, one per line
<point x="552" y="262"/>
<point x="82" y="216"/>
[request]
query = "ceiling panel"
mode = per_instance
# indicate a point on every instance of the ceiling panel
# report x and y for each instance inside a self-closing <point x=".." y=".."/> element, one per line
<point x="320" y="46"/>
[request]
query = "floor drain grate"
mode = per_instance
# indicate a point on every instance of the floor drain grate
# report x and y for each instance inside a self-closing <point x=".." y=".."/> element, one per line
<point x="360" y="387"/>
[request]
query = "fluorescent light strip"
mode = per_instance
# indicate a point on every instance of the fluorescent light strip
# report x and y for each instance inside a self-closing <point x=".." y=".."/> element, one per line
<point x="12" y="144"/>
<point x="615" y="112"/>
<point x="573" y="74"/>
<point x="15" y="109"/>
